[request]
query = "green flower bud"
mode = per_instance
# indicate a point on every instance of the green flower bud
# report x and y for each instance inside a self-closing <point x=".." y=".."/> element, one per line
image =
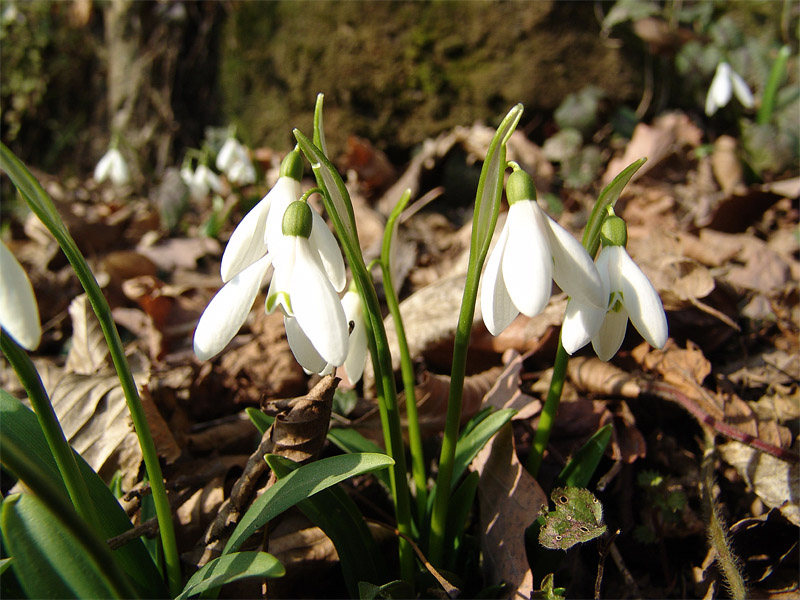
<point x="520" y="187"/>
<point x="292" y="166"/>
<point x="614" y="232"/>
<point x="297" y="220"/>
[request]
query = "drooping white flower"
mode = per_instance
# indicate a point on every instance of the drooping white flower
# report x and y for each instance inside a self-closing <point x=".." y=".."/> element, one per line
<point x="357" y="350"/>
<point x="234" y="161"/>
<point x="531" y="252"/>
<point x="19" y="313"/>
<point x="309" y="271"/>
<point x="631" y="296"/>
<point x="112" y="166"/>
<point x="201" y="181"/>
<point x="726" y="82"/>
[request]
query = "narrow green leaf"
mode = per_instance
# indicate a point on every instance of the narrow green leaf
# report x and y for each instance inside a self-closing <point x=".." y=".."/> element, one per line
<point x="350" y="441"/>
<point x="319" y="127"/>
<point x="776" y="76"/>
<point x="461" y="502"/>
<point x="334" y="512"/>
<point x="230" y="568"/>
<point x="4" y="564"/>
<point x="579" y="470"/>
<point x="260" y="420"/>
<point x="299" y="485"/>
<point x="21" y="427"/>
<point x="49" y="560"/>
<point x="393" y="589"/>
<point x="471" y="444"/>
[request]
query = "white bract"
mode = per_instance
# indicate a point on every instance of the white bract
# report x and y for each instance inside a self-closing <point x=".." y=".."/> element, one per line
<point x="725" y="83"/>
<point x="531" y="252"/>
<point x="201" y="181"/>
<point x="234" y="161"/>
<point x="19" y="313"/>
<point x="112" y="166"/>
<point x="632" y="296"/>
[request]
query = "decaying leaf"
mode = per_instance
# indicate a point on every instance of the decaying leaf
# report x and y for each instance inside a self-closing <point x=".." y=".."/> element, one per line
<point x="510" y="500"/>
<point x="89" y="351"/>
<point x="505" y="392"/>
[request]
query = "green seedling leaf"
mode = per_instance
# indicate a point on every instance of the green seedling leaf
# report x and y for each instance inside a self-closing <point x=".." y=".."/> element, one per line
<point x="21" y="427"/>
<point x="299" y="485"/>
<point x="548" y="592"/>
<point x="578" y="518"/>
<point x="350" y="441"/>
<point x="259" y="419"/>
<point x="393" y="589"/>
<point x="579" y="470"/>
<point x="49" y="560"/>
<point x="230" y="568"/>
<point x="334" y="512"/>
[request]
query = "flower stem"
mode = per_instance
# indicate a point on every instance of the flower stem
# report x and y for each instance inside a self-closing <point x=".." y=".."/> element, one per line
<point x="41" y="204"/>
<point x="549" y="411"/>
<point x="48" y="421"/>
<point x="406" y="367"/>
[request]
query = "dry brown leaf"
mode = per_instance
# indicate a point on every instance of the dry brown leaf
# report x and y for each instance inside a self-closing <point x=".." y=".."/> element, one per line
<point x="179" y="253"/>
<point x="773" y="480"/>
<point x="505" y="392"/>
<point x="595" y="376"/>
<point x="510" y="500"/>
<point x="726" y="165"/>
<point x="88" y="352"/>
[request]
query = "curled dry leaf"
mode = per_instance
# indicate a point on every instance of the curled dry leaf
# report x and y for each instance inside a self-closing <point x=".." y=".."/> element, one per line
<point x="595" y="376"/>
<point x="510" y="500"/>
<point x="88" y="352"/>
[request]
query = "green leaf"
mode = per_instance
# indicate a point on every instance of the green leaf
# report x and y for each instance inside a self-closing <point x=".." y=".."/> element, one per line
<point x="578" y="518"/>
<point x="230" y="568"/>
<point x="49" y="561"/>
<point x="299" y="485"/>
<point x="461" y="502"/>
<point x="350" y="441"/>
<point x="21" y="427"/>
<point x="393" y="589"/>
<point x="334" y="512"/>
<point x="579" y="470"/>
<point x="260" y="420"/>
<point x="4" y="564"/>
<point x="469" y="445"/>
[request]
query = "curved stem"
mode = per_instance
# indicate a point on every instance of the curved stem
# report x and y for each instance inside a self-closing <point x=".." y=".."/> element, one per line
<point x="51" y="428"/>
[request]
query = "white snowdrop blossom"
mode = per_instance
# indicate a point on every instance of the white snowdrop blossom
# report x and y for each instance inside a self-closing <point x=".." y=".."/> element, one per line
<point x="201" y="181"/>
<point x="234" y="161"/>
<point x="531" y="252"/>
<point x="19" y="313"/>
<point x="357" y="350"/>
<point x="112" y="166"/>
<point x="309" y="273"/>
<point x="726" y="82"/>
<point x="631" y="296"/>
<point x="246" y="261"/>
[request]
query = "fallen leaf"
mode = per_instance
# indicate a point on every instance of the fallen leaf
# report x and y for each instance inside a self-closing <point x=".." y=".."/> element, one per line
<point x="505" y="393"/>
<point x="88" y="352"/>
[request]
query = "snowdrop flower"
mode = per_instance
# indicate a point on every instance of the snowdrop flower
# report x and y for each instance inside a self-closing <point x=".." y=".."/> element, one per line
<point x="357" y="350"/>
<point x="235" y="163"/>
<point x="309" y="271"/>
<point x="112" y="166"/>
<point x="201" y="181"/>
<point x="725" y="81"/>
<point x="631" y="296"/>
<point x="246" y="261"/>
<point x="533" y="250"/>
<point x="19" y="313"/>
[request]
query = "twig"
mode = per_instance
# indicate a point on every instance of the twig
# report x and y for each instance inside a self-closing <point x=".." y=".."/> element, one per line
<point x="667" y="392"/>
<point x="630" y="582"/>
<point x="449" y="589"/>
<point x="149" y="528"/>
<point x="603" y="548"/>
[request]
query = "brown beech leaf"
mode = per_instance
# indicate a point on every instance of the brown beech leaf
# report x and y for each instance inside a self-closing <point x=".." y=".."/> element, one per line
<point x="510" y="500"/>
<point x="88" y="352"/>
<point x="684" y="369"/>
<point x="505" y="392"/>
<point x="595" y="376"/>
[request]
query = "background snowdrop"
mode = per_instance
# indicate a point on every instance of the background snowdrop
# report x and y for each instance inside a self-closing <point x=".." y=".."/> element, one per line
<point x="727" y="81"/>
<point x="112" y="166"/>
<point x="234" y="161"/>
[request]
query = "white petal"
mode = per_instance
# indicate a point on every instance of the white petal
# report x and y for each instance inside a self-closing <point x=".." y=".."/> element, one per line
<point x="496" y="306"/>
<point x="742" y="91"/>
<point x="317" y="307"/>
<point x="280" y="286"/>
<point x="246" y="244"/>
<point x="719" y="92"/>
<point x="286" y="191"/>
<point x="227" y="155"/>
<point x="611" y="334"/>
<point x="527" y="262"/>
<point x="302" y="348"/>
<point x="582" y="321"/>
<point x="19" y="313"/>
<point x="228" y="310"/>
<point x="641" y="299"/>
<point x="357" y="350"/>
<point x="573" y="269"/>
<point x="119" y="173"/>
<point x="324" y="244"/>
<point x="103" y="167"/>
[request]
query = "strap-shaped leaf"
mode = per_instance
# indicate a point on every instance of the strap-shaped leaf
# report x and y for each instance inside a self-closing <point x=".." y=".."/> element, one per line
<point x="579" y="470"/>
<point x="230" y="568"/>
<point x="350" y="440"/>
<point x="299" y="485"/>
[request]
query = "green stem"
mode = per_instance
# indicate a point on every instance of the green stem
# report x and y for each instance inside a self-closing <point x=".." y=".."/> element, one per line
<point x="97" y="550"/>
<point x="41" y="204"/>
<point x="48" y="421"/>
<point x="775" y="78"/>
<point x="406" y="366"/>
<point x="549" y="410"/>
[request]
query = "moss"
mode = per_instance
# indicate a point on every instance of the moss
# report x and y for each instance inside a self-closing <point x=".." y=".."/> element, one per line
<point x="398" y="72"/>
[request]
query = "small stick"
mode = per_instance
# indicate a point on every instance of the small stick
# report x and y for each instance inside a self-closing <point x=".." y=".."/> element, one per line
<point x="603" y="549"/>
<point x="149" y="528"/>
